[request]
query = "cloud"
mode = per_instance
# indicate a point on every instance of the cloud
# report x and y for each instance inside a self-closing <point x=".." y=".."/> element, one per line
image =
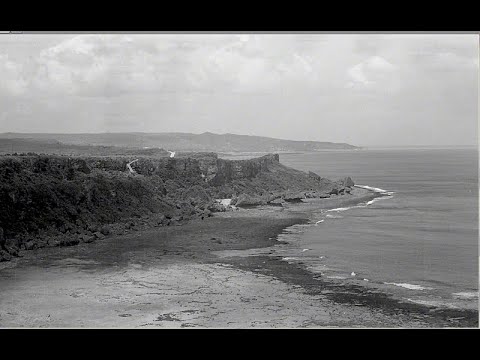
<point x="325" y="83"/>
<point x="11" y="75"/>
<point x="357" y="74"/>
<point x="370" y="71"/>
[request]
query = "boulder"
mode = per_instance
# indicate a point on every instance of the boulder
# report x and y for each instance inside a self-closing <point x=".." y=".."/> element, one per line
<point x="249" y="200"/>
<point x="69" y="241"/>
<point x="348" y="182"/>
<point x="277" y="201"/>
<point x="105" y="230"/>
<point x="53" y="242"/>
<point x="334" y="191"/>
<point x="41" y="243"/>
<point x="30" y="245"/>
<point x="216" y="207"/>
<point x="93" y="228"/>
<point x="12" y="249"/>
<point x="5" y="256"/>
<point x="98" y="235"/>
<point x="87" y="238"/>
<point x="294" y="197"/>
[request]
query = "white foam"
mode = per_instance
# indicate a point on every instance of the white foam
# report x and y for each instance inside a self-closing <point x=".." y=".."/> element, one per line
<point x="374" y="189"/>
<point x="336" y="277"/>
<point x="434" y="303"/>
<point x="379" y="198"/>
<point x="341" y="209"/>
<point x="305" y="250"/>
<point x="334" y="216"/>
<point x="466" y="295"/>
<point x="409" y="286"/>
<point x="319" y="221"/>
<point x="371" y="188"/>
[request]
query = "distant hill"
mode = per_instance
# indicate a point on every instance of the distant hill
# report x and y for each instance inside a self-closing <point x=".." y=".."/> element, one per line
<point x="185" y="141"/>
<point x="51" y="146"/>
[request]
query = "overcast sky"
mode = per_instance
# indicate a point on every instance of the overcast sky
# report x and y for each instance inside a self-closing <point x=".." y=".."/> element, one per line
<point x="361" y="89"/>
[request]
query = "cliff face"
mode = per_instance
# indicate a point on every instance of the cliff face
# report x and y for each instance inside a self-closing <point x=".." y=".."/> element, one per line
<point x="226" y="171"/>
<point x="71" y="199"/>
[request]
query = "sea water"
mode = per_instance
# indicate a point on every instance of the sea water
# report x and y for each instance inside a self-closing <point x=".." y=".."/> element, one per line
<point x="419" y="241"/>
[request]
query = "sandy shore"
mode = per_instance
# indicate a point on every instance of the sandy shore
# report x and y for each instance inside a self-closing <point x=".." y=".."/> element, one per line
<point x="205" y="273"/>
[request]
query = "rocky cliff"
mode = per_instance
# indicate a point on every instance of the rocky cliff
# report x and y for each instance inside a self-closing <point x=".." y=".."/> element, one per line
<point x="61" y="201"/>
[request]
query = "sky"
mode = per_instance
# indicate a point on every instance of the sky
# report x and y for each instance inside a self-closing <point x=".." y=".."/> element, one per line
<point x="362" y="89"/>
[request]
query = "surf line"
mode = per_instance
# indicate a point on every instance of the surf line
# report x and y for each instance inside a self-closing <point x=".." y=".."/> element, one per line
<point x="384" y="194"/>
<point x="374" y="189"/>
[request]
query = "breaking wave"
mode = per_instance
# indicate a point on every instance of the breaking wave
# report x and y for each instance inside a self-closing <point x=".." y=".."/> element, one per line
<point x="409" y="286"/>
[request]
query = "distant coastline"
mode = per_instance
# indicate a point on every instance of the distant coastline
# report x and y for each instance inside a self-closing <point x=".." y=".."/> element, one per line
<point x="179" y="141"/>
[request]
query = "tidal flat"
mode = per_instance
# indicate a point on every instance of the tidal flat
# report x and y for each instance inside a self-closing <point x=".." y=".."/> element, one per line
<point x="220" y="272"/>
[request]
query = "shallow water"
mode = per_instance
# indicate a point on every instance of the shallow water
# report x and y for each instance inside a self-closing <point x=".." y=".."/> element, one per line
<point x="419" y="242"/>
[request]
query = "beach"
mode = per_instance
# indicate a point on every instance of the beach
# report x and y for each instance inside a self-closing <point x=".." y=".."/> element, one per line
<point x="216" y="273"/>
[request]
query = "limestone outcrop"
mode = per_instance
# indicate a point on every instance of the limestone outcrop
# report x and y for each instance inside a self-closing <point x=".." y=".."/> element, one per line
<point x="52" y="200"/>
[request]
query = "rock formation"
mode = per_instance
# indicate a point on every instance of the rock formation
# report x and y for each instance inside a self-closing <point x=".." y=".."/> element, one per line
<point x="61" y="201"/>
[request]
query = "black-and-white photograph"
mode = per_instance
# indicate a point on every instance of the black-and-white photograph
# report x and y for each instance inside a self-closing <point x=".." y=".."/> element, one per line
<point x="239" y="180"/>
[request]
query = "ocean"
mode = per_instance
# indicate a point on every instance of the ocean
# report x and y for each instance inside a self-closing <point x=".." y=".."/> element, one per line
<point x="418" y="243"/>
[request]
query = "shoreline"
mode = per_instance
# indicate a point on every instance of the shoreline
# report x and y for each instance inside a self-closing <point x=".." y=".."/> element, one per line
<point x="173" y="277"/>
<point x="345" y="291"/>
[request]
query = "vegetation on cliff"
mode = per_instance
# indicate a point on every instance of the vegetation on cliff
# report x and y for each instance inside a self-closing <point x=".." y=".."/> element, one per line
<point x="49" y="200"/>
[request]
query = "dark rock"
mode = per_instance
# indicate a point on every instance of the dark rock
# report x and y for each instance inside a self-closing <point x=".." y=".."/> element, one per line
<point x="347" y="182"/>
<point x="92" y="228"/>
<point x="5" y="256"/>
<point x="69" y="241"/>
<point x="105" y="230"/>
<point x="245" y="200"/>
<point x="87" y="238"/>
<point x="30" y="245"/>
<point x="12" y="250"/>
<point x="2" y="239"/>
<point x="334" y="191"/>
<point x="98" y="235"/>
<point x="278" y="201"/>
<point x="12" y="243"/>
<point x="41" y="243"/>
<point x="53" y="242"/>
